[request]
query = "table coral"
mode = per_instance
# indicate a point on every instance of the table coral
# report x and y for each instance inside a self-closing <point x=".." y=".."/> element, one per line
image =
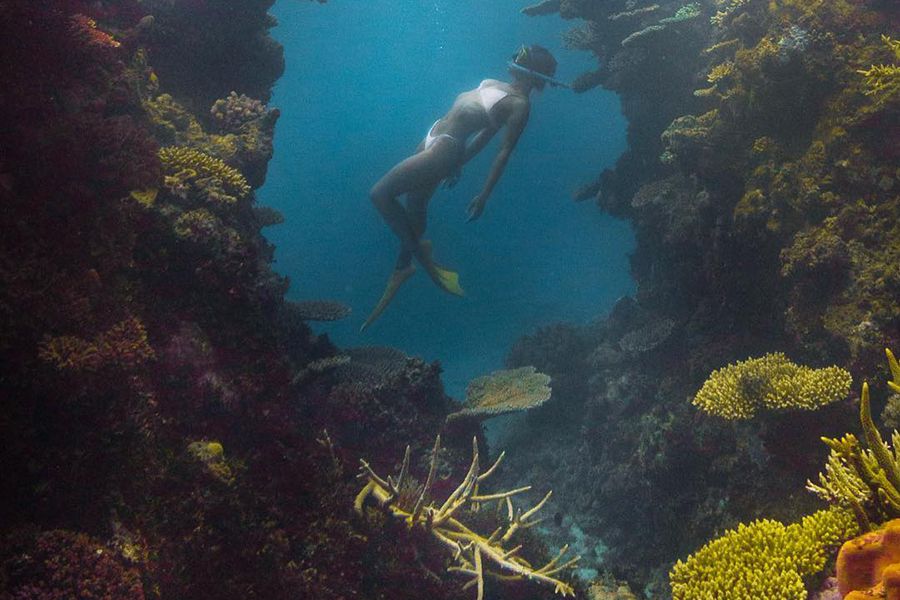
<point x="771" y="382"/>
<point x="504" y="392"/>
<point x="474" y="555"/>
<point x="765" y="559"/>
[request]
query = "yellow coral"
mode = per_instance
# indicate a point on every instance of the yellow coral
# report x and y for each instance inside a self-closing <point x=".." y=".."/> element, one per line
<point x="764" y="559"/>
<point x="864" y="479"/>
<point x="124" y="345"/>
<point x="191" y="167"/>
<point x="474" y="555"/>
<point x="771" y="382"/>
<point x="883" y="80"/>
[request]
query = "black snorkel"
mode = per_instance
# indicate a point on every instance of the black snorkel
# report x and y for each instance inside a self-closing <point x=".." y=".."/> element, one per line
<point x="553" y="82"/>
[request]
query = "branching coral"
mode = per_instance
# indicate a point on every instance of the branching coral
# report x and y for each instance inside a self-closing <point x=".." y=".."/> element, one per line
<point x="866" y="480"/>
<point x="187" y="168"/>
<point x="764" y="559"/>
<point x="771" y="382"/>
<point x="474" y="555"/>
<point x="884" y="80"/>
<point x="503" y="392"/>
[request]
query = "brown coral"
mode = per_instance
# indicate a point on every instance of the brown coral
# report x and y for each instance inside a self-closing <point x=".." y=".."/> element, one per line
<point x="504" y="392"/>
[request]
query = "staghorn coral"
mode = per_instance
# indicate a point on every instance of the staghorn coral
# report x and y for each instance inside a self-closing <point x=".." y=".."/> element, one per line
<point x="764" y="559"/>
<point x="210" y="177"/>
<point x="866" y="480"/>
<point x="503" y="392"/>
<point x="771" y="382"/>
<point x="474" y="555"/>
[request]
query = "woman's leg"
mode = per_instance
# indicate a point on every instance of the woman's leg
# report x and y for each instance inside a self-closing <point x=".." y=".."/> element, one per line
<point x="417" y="214"/>
<point x="420" y="172"/>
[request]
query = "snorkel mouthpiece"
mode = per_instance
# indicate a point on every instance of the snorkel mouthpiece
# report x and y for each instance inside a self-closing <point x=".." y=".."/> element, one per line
<point x="553" y="82"/>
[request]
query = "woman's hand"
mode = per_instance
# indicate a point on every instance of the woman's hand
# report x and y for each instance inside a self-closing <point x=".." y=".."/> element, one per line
<point x="476" y="207"/>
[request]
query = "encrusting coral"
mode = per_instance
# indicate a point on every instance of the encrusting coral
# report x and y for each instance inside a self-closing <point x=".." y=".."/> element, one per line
<point x="474" y="555"/>
<point x="866" y="480"/>
<point x="764" y="559"/>
<point x="771" y="382"/>
<point x="503" y="392"/>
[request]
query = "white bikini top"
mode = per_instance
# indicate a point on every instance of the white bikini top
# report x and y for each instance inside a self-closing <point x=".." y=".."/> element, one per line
<point x="490" y="95"/>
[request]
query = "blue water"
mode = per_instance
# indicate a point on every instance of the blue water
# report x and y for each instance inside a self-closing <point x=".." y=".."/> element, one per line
<point x="364" y="82"/>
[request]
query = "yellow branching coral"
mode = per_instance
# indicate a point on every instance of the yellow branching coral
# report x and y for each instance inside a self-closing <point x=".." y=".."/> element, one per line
<point x="883" y="80"/>
<point x="764" y="559"/>
<point x="866" y="480"/>
<point x="771" y="382"/>
<point x="503" y="392"/>
<point x="190" y="168"/>
<point x="474" y="555"/>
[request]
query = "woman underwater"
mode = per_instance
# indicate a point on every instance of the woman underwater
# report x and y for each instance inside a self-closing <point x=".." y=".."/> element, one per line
<point x="479" y="114"/>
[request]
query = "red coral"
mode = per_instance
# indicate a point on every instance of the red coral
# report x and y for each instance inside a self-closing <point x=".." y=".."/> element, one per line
<point x="62" y="564"/>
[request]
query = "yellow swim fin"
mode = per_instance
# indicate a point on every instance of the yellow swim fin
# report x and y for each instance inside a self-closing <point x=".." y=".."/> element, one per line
<point x="397" y="279"/>
<point x="445" y="279"/>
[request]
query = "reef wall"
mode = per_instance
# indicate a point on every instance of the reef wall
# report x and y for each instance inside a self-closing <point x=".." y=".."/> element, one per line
<point x="761" y="178"/>
<point x="171" y="426"/>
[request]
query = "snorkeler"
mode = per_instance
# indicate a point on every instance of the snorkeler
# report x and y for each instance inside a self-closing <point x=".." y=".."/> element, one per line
<point x="481" y="113"/>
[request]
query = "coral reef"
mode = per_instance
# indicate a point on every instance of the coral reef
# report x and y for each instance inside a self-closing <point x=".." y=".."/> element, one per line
<point x="764" y="559"/>
<point x="503" y="392"/>
<point x="63" y="564"/>
<point x="771" y="382"/>
<point x="474" y="554"/>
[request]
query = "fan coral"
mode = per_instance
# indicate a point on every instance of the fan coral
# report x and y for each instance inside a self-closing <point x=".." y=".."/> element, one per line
<point x="406" y="500"/>
<point x="764" y="559"/>
<point x="771" y="382"/>
<point x="216" y="181"/>
<point x="504" y="392"/>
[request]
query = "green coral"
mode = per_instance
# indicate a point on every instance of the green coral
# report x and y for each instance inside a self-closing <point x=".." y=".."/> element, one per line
<point x="764" y="559"/>
<point x="190" y="169"/>
<point x="771" y="382"/>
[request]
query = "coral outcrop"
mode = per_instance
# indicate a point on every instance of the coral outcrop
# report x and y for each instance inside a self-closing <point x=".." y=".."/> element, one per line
<point x="869" y="566"/>
<point x="764" y="559"/>
<point x="771" y="382"/>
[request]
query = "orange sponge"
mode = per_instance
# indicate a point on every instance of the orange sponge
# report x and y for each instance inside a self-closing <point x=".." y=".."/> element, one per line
<point x="869" y="566"/>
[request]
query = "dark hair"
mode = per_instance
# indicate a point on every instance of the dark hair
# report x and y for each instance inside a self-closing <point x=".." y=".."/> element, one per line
<point x="537" y="58"/>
